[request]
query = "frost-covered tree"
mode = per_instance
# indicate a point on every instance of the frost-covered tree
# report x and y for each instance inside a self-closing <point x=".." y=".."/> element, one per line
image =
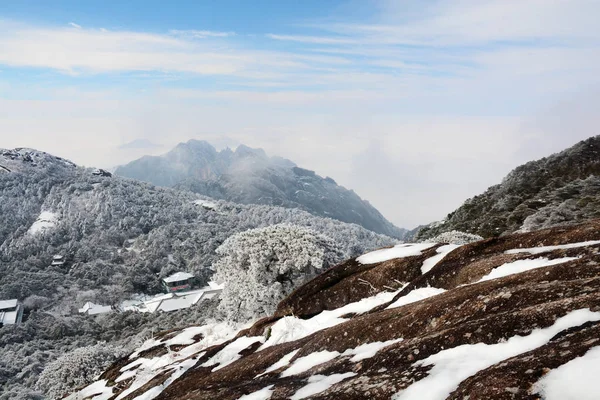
<point x="261" y="266"/>
<point x="78" y="367"/>
<point x="455" y="237"/>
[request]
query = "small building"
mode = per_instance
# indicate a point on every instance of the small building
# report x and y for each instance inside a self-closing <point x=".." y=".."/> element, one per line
<point x="101" y="172"/>
<point x="172" y="301"/>
<point x="11" y="312"/>
<point x="90" y="308"/>
<point x="180" y="300"/>
<point x="58" y="261"/>
<point x="178" y="282"/>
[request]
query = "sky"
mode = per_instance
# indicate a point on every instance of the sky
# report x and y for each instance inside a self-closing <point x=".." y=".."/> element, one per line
<point x="416" y="105"/>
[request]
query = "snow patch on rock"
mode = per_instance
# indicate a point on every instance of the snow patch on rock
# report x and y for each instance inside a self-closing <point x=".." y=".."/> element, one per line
<point x="305" y="363"/>
<point x="543" y="249"/>
<point x="577" y="379"/>
<point x="416" y="295"/>
<point x="519" y="266"/>
<point x="320" y="383"/>
<point x="290" y="328"/>
<point x="263" y="394"/>
<point x="368" y="350"/>
<point x="230" y="353"/>
<point x="442" y="252"/>
<point x="398" y="251"/>
<point x="452" y="366"/>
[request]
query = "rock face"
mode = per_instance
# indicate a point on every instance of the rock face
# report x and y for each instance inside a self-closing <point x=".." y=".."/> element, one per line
<point x="489" y="320"/>
<point x="561" y="189"/>
<point x="249" y="176"/>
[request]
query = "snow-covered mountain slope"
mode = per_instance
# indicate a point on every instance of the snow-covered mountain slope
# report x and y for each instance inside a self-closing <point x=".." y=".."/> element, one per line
<point x="249" y="176"/>
<point x="561" y="189"/>
<point x="120" y="235"/>
<point x="503" y="318"/>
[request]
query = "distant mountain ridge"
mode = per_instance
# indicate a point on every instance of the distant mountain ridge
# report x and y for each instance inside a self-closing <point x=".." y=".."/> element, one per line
<point x="561" y="189"/>
<point x="250" y="176"/>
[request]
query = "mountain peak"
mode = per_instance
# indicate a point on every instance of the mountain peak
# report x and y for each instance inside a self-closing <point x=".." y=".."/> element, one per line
<point x="246" y="151"/>
<point x="195" y="146"/>
<point x="249" y="176"/>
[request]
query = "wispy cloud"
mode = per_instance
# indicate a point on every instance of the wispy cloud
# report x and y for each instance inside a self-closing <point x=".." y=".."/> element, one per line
<point x="313" y="39"/>
<point x="74" y="25"/>
<point x="194" y="34"/>
<point x="476" y="22"/>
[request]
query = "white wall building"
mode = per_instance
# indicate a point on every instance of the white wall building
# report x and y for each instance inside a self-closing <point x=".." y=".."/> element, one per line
<point x="175" y="301"/>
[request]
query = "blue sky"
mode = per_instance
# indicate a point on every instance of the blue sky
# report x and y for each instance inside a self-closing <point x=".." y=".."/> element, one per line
<point x="249" y="17"/>
<point x="400" y="100"/>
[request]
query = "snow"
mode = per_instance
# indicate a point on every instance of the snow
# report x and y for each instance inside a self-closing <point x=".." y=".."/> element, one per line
<point x="187" y="335"/>
<point x="575" y="380"/>
<point x="519" y="266"/>
<point x="398" y="251"/>
<point x="97" y="389"/>
<point x="179" y="276"/>
<point x="216" y="286"/>
<point x="368" y="350"/>
<point x="320" y="383"/>
<point x="213" y="334"/>
<point x="416" y="295"/>
<point x="211" y="205"/>
<point x="263" y="394"/>
<point x="46" y="220"/>
<point x="179" y="370"/>
<point x="230" y="353"/>
<point x="93" y="309"/>
<point x="537" y="250"/>
<point x="305" y="363"/>
<point x="126" y="375"/>
<point x="442" y="251"/>
<point x="452" y="366"/>
<point x="175" y="362"/>
<point x="285" y="360"/>
<point x="290" y="328"/>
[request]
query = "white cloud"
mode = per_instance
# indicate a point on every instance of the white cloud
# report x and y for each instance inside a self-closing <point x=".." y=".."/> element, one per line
<point x="102" y="51"/>
<point x="471" y="22"/>
<point x="313" y="39"/>
<point x="74" y="25"/>
<point x="195" y="34"/>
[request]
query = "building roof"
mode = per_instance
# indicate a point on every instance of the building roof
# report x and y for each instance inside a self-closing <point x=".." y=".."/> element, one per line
<point x="92" y="308"/>
<point x="178" y="301"/>
<point x="13" y="316"/>
<point x="4" y="304"/>
<point x="9" y="318"/>
<point x="179" y="276"/>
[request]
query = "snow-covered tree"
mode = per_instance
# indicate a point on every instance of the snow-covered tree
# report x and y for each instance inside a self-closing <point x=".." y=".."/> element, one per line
<point x="261" y="266"/>
<point x="455" y="237"/>
<point x="76" y="368"/>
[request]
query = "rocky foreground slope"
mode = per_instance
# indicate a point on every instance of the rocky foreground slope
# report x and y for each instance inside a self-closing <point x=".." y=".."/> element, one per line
<point x="561" y="189"/>
<point x="516" y="317"/>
